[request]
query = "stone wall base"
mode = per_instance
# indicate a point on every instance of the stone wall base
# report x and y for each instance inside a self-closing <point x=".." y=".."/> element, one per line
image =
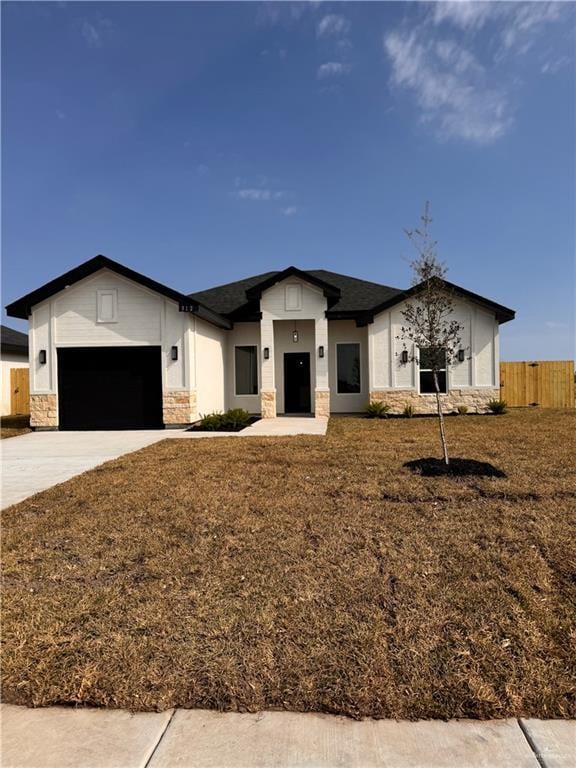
<point x="322" y="403"/>
<point x="179" y="407"/>
<point x="475" y="399"/>
<point x="268" y="403"/>
<point x="44" y="411"/>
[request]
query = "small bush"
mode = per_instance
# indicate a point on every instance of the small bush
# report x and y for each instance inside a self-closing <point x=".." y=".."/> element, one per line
<point x="377" y="410"/>
<point x="231" y="421"/>
<point x="497" y="406"/>
<point x="462" y="410"/>
<point x="235" y="418"/>
<point x="212" y="422"/>
<point x="408" y="411"/>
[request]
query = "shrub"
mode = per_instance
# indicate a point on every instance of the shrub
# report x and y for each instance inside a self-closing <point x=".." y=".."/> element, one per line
<point x="212" y="422"/>
<point x="408" y="411"/>
<point x="497" y="406"/>
<point x="377" y="410"/>
<point x="235" y="418"/>
<point x="462" y="410"/>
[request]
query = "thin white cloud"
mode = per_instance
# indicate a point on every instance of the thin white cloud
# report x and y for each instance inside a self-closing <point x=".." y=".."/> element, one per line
<point x="450" y="87"/>
<point x="290" y="210"/>
<point x="333" y="25"/>
<point x="332" y="69"/>
<point x="96" y="31"/>
<point x="463" y="13"/>
<point x="259" y="195"/>
<point x="555" y="326"/>
<point x="278" y="13"/>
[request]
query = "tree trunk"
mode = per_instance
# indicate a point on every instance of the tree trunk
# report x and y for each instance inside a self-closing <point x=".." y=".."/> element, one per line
<point x="441" y="419"/>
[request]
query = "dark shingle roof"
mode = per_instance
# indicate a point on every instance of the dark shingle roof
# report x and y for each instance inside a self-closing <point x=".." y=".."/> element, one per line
<point x="355" y="295"/>
<point x="13" y="341"/>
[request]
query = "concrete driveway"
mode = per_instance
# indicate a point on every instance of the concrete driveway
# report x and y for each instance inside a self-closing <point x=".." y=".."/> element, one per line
<point x="39" y="460"/>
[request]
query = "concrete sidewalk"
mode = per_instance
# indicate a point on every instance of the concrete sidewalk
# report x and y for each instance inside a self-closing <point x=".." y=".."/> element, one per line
<point x="61" y="737"/>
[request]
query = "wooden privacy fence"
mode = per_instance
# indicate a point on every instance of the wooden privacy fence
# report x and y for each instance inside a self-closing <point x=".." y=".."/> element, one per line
<point x="19" y="391"/>
<point x="544" y="383"/>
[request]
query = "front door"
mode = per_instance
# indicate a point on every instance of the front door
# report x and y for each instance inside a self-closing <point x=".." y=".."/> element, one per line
<point x="297" y="382"/>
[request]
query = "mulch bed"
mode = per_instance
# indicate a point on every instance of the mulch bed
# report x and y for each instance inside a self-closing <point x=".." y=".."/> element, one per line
<point x="434" y="467"/>
<point x="199" y="428"/>
<point x="306" y="573"/>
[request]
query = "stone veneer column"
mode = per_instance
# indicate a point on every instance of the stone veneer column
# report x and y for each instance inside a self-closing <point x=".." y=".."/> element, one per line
<point x="476" y="399"/>
<point x="179" y="407"/>
<point x="44" y="411"/>
<point x="321" y="387"/>
<point x="267" y="377"/>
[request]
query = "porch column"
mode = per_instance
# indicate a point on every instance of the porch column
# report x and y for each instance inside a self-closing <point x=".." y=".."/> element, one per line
<point x="322" y="388"/>
<point x="267" y="379"/>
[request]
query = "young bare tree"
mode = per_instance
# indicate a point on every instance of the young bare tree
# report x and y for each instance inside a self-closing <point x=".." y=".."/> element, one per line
<point x="434" y="334"/>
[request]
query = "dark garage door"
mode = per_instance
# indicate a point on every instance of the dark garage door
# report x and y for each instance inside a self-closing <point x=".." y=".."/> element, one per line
<point x="110" y="388"/>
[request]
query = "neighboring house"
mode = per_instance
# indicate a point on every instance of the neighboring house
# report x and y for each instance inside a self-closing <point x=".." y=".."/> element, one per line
<point x="111" y="348"/>
<point x="14" y="355"/>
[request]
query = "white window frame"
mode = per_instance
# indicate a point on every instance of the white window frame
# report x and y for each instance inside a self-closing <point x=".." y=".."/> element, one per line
<point x="296" y="290"/>
<point x="428" y="370"/>
<point x="100" y="293"/>
<point x="359" y="345"/>
<point x="257" y="394"/>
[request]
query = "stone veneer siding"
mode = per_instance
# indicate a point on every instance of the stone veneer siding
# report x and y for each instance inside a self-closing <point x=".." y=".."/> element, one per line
<point x="475" y="399"/>
<point x="179" y="407"/>
<point x="268" y="404"/>
<point x="322" y="403"/>
<point x="43" y="410"/>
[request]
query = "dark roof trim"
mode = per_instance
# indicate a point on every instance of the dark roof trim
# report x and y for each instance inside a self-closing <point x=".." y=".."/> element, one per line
<point x="503" y="314"/>
<point x="330" y="291"/>
<point x="23" y="306"/>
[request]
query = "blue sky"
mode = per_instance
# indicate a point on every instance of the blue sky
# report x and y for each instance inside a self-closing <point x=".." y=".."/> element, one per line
<point x="202" y="142"/>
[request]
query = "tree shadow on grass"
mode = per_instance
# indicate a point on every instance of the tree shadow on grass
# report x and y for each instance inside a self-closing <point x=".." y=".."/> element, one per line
<point x="432" y="467"/>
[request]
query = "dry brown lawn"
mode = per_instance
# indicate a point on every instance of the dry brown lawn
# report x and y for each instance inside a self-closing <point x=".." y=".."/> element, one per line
<point x="12" y="426"/>
<point x="305" y="574"/>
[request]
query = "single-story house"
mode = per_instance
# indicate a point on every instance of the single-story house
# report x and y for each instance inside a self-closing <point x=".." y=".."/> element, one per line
<point x="111" y="348"/>
<point x="14" y="354"/>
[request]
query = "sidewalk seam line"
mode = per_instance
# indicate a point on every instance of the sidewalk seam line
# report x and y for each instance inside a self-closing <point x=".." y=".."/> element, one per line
<point x="147" y="763"/>
<point x="531" y="743"/>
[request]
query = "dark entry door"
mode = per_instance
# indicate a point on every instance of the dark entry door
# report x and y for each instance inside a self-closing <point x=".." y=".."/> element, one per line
<point x="297" y="382"/>
<point x="110" y="388"/>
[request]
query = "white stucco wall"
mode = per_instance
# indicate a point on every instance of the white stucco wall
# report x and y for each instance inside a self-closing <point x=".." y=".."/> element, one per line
<point x="243" y="334"/>
<point x="273" y="308"/>
<point x="479" y="340"/>
<point x="210" y="352"/>
<point x="144" y="318"/>
<point x="346" y="331"/>
<point x="10" y="360"/>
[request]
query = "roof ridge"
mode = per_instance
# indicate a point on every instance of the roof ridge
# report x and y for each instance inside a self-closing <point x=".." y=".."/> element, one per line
<point x="235" y="282"/>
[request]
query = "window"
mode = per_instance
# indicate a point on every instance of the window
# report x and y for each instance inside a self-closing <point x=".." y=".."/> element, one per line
<point x="107" y="305"/>
<point x="348" y="368"/>
<point x="293" y="296"/>
<point x="246" y="367"/>
<point x="427" y="356"/>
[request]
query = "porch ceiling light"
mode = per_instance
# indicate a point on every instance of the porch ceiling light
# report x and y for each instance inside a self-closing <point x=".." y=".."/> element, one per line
<point x="404" y="356"/>
<point x="42" y="357"/>
<point x="295" y="336"/>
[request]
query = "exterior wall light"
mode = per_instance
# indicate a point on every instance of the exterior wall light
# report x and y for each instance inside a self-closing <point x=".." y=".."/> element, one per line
<point x="295" y="336"/>
<point x="266" y="353"/>
<point x="174" y="353"/>
<point x="461" y="355"/>
<point x="42" y="357"/>
<point x="404" y="356"/>
<point x="320" y="351"/>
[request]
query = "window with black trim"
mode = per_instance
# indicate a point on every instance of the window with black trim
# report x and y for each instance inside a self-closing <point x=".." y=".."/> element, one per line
<point x="246" y="367"/>
<point x="348" y="368"/>
<point x="427" y="357"/>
